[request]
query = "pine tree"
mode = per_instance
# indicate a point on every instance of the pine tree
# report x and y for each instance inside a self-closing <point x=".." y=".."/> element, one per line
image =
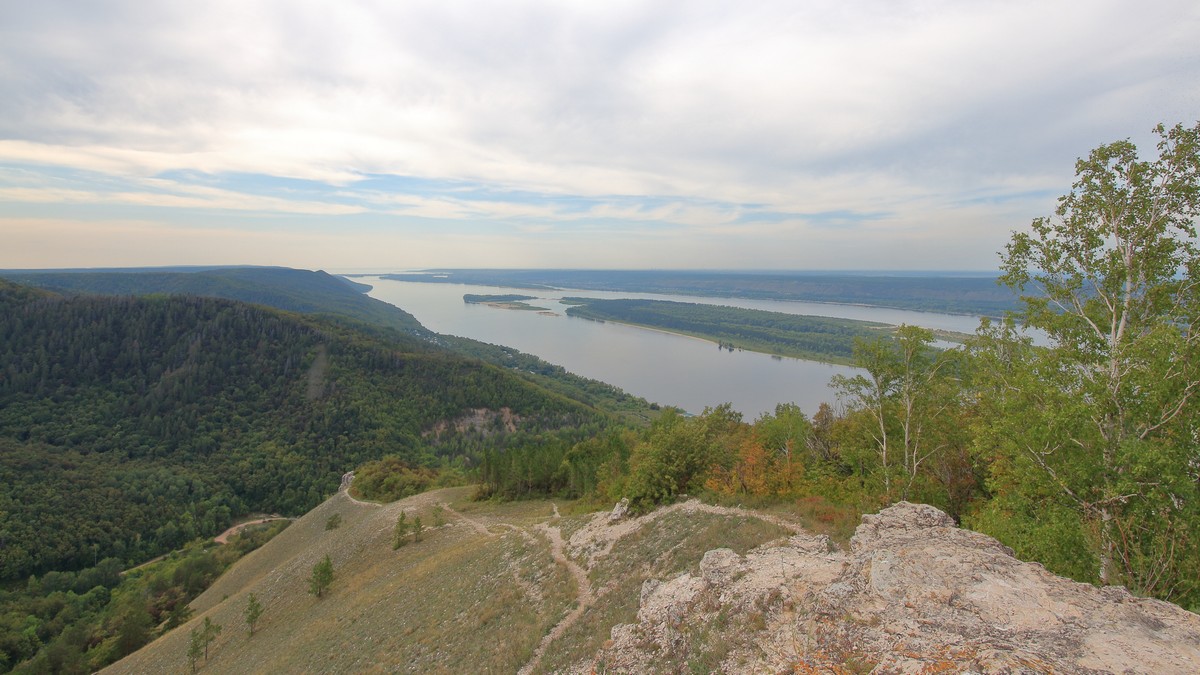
<point x="252" y="612"/>
<point x="401" y="532"/>
<point x="195" y="648"/>
<point x="322" y="576"/>
<point x="208" y="633"/>
<point x="416" y="528"/>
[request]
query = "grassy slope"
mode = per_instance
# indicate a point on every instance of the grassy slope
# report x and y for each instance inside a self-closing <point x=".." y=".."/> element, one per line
<point x="458" y="601"/>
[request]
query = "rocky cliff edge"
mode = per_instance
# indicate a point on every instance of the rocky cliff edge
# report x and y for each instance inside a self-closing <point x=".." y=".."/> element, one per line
<point x="915" y="594"/>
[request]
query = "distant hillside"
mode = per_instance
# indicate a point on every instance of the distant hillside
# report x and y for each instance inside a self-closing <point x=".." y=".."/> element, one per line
<point x="975" y="294"/>
<point x="517" y="588"/>
<point x="336" y="298"/>
<point x="131" y="425"/>
<point x="280" y="287"/>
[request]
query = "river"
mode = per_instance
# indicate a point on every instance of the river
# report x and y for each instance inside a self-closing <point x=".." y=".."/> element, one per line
<point x="662" y="367"/>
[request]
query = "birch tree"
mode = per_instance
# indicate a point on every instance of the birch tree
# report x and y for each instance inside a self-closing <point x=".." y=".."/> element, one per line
<point x="1104" y="417"/>
<point x="906" y="394"/>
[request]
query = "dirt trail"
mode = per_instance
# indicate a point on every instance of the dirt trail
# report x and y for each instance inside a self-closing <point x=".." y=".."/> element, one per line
<point x="584" y="601"/>
<point x="592" y="541"/>
<point x="597" y="538"/>
<point x="479" y="527"/>
<point x="347" y="479"/>
<point x="223" y="538"/>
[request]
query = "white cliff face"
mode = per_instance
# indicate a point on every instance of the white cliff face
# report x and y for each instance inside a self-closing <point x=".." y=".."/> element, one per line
<point x="915" y="594"/>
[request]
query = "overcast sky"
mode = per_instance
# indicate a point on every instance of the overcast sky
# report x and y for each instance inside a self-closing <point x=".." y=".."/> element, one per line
<point x="878" y="134"/>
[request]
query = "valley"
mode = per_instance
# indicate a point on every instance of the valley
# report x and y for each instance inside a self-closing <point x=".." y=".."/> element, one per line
<point x="234" y="398"/>
<point x="592" y="338"/>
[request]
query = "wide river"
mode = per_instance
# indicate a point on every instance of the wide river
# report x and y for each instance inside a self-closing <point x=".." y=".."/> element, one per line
<point x="661" y="367"/>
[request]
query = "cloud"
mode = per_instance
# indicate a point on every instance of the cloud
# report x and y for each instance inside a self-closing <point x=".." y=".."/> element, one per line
<point x="688" y="117"/>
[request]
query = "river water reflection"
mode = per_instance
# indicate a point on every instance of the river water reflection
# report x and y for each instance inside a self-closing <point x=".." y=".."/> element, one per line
<point x="661" y="367"/>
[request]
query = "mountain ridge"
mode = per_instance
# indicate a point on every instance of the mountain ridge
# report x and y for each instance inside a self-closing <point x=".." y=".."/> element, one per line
<point x="912" y="594"/>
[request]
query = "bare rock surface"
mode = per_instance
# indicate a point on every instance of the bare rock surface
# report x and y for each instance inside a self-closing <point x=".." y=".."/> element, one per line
<point x="915" y="594"/>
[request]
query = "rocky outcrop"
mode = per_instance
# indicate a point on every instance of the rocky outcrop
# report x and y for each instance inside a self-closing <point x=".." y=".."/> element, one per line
<point x="915" y="594"/>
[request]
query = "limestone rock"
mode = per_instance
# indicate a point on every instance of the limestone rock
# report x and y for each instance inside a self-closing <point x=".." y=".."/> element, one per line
<point x="619" y="510"/>
<point x="915" y="594"/>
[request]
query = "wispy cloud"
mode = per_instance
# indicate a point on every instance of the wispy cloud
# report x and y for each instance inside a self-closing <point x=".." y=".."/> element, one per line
<point x="744" y="128"/>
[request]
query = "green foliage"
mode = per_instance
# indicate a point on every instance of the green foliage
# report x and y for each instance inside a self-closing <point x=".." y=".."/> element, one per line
<point x="1046" y="530"/>
<point x="322" y="576"/>
<point x="911" y="393"/>
<point x="417" y="528"/>
<point x="788" y="434"/>
<point x="503" y="301"/>
<point x="676" y="455"/>
<point x="1103" y="421"/>
<point x="391" y="478"/>
<point x="195" y="647"/>
<point x="209" y="632"/>
<point x="164" y="418"/>
<point x="400" y="533"/>
<point x="252" y="613"/>
<point x="110" y="615"/>
<point x="806" y="337"/>
<point x="333" y="522"/>
<point x="531" y="464"/>
<point x="287" y="289"/>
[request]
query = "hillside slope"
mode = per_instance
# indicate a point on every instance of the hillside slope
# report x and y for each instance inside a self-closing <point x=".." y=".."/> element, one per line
<point x="477" y="594"/>
<point x="129" y="426"/>
<point x="335" y="298"/>
<point x="687" y="588"/>
<point x="304" y="291"/>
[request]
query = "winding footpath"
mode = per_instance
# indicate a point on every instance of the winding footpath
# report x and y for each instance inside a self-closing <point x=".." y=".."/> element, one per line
<point x="347" y="479"/>
<point x="586" y="597"/>
<point x="602" y="533"/>
<point x="596" y="540"/>
<point x="223" y="538"/>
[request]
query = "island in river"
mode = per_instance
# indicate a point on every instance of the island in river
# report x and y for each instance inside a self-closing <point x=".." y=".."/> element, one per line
<point x="517" y="302"/>
<point x="804" y="337"/>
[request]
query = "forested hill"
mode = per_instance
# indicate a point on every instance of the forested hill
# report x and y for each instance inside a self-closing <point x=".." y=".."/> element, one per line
<point x="131" y="425"/>
<point x="331" y="297"/>
<point x="294" y="290"/>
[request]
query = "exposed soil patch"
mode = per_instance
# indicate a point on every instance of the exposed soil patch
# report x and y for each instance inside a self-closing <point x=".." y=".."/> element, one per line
<point x="223" y="538"/>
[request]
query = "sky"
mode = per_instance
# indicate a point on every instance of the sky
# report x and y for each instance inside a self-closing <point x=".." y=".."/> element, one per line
<point x="780" y="135"/>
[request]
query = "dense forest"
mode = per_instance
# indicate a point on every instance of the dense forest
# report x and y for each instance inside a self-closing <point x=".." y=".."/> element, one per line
<point x="804" y="337"/>
<point x="293" y="290"/>
<point x="79" y="622"/>
<point x="130" y="426"/>
<point x="336" y="299"/>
